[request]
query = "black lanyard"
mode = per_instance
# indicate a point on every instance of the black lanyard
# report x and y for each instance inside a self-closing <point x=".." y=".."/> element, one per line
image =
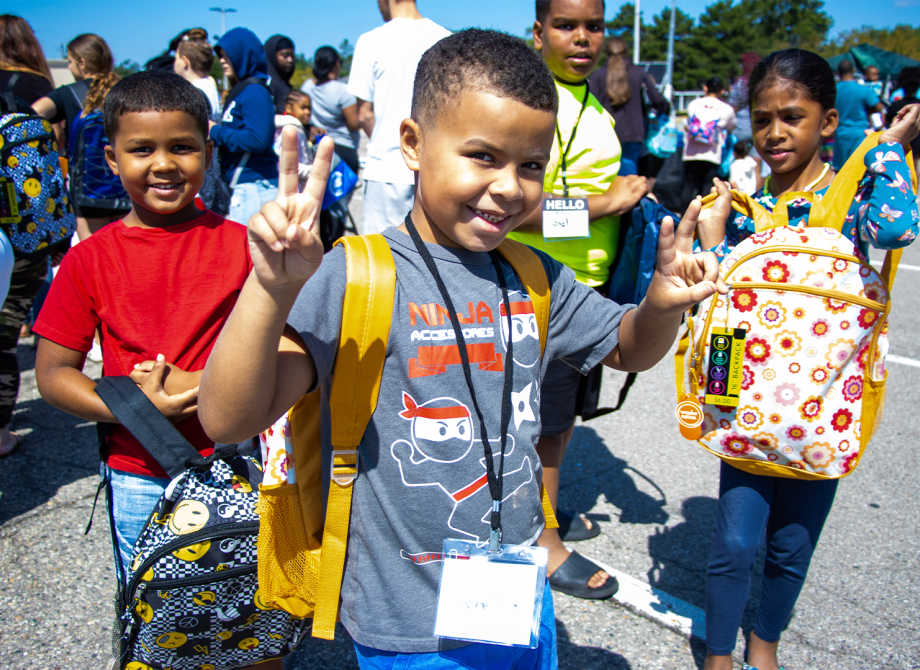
<point x="565" y="153"/>
<point x="495" y="481"/>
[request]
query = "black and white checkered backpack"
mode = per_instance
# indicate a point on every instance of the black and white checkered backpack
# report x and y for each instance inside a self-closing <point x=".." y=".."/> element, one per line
<point x="192" y="596"/>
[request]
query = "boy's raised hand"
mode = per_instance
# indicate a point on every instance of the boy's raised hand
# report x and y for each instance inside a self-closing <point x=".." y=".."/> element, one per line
<point x="683" y="278"/>
<point x="284" y="240"/>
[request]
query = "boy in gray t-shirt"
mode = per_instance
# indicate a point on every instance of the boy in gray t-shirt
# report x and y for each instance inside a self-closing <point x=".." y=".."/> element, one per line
<point x="483" y="118"/>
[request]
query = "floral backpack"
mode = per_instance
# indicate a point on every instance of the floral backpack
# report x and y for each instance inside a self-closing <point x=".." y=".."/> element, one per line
<point x="785" y="375"/>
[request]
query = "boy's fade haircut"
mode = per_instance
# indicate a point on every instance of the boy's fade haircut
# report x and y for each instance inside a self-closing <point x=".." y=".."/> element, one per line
<point x="155" y="91"/>
<point x="542" y="9"/>
<point x="481" y="60"/>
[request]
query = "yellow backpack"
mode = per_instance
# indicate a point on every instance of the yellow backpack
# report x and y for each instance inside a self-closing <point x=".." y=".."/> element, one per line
<point x="301" y="558"/>
<point x="785" y="375"/>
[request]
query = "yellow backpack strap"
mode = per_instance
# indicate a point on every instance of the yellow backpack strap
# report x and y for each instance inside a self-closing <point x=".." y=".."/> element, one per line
<point x="832" y="210"/>
<point x="744" y="204"/>
<point x="529" y="269"/>
<point x="367" y="312"/>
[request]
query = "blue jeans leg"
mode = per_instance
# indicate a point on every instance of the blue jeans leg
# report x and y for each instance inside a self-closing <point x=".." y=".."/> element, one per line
<point x="797" y="518"/>
<point x="475" y="656"/>
<point x="792" y="513"/>
<point x="248" y="198"/>
<point x="131" y="500"/>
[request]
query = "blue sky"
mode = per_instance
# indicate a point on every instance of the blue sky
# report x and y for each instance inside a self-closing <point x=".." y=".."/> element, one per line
<point x="138" y="30"/>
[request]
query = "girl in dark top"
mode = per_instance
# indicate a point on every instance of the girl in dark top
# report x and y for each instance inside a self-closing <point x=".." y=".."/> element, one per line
<point x="618" y="86"/>
<point x="90" y="61"/>
<point x="23" y="69"/>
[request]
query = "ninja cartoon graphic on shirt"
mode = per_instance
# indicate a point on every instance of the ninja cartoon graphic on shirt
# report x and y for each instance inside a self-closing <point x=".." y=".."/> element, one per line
<point x="525" y="332"/>
<point x="443" y="453"/>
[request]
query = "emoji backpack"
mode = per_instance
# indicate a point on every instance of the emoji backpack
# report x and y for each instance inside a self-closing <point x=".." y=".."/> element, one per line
<point x="35" y="210"/>
<point x="785" y="375"/>
<point x="302" y="556"/>
<point x="192" y="598"/>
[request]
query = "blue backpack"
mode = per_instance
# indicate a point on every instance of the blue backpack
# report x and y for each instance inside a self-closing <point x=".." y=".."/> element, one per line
<point x="35" y="211"/>
<point x="634" y="264"/>
<point x="92" y="182"/>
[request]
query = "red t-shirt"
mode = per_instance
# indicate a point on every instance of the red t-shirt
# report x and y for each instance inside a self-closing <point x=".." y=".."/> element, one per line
<point x="152" y="291"/>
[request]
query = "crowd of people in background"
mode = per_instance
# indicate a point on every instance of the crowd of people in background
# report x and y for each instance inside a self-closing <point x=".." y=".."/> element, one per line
<point x="599" y="154"/>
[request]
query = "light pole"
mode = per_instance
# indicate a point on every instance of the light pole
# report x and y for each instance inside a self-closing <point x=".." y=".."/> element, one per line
<point x="637" y="26"/>
<point x="223" y="28"/>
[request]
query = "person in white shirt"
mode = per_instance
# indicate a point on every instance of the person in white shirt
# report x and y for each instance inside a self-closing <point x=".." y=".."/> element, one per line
<point x="381" y="78"/>
<point x="194" y="59"/>
<point x="707" y="118"/>
<point x="744" y="170"/>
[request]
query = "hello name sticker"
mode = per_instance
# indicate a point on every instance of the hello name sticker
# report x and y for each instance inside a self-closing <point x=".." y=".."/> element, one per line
<point x="566" y="219"/>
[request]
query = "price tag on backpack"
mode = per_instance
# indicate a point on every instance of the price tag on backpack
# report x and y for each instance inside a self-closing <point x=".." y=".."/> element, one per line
<point x="9" y="201"/>
<point x="493" y="597"/>
<point x="565" y="219"/>
<point x="726" y="359"/>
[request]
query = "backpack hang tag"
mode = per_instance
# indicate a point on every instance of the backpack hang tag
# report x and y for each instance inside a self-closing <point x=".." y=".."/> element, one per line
<point x="565" y="219"/>
<point x="492" y="597"/>
<point x="9" y="203"/>
<point x="690" y="417"/>
<point x="726" y="358"/>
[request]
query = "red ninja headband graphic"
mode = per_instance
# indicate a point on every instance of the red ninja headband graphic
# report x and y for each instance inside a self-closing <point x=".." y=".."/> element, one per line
<point x="413" y="410"/>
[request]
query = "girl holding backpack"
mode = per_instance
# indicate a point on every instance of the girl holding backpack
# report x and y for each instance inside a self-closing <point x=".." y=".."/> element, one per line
<point x="792" y="97"/>
<point x="91" y="63"/>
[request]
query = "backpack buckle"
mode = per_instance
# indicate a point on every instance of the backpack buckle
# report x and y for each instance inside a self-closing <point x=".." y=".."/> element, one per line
<point x="344" y="466"/>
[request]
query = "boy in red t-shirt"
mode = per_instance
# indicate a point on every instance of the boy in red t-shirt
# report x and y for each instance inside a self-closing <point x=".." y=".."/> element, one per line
<point x="158" y="284"/>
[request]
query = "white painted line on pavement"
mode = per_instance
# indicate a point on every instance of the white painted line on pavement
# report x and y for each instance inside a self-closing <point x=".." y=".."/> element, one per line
<point x="662" y="608"/>
<point x="901" y="266"/>
<point x="891" y="358"/>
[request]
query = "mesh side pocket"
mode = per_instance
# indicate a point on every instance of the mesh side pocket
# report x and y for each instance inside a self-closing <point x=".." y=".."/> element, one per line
<point x="288" y="568"/>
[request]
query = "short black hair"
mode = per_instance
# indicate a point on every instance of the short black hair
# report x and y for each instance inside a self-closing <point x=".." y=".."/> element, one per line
<point x="909" y="80"/>
<point x="715" y="85"/>
<point x="542" y="7"/>
<point x="483" y="60"/>
<point x="155" y="91"/>
<point x="845" y="66"/>
<point x="800" y="68"/>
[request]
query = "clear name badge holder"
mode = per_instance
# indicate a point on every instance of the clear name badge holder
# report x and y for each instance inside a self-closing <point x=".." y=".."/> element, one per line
<point x="491" y="596"/>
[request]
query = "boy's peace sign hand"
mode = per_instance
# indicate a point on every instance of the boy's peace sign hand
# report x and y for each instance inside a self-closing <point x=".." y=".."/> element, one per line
<point x="682" y="277"/>
<point x="284" y="240"/>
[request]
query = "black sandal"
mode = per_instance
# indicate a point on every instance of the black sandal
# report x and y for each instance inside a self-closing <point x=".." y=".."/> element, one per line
<point x="572" y="527"/>
<point x="572" y="578"/>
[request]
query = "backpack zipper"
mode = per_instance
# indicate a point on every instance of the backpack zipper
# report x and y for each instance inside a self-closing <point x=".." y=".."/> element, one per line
<point x="225" y="530"/>
<point x="202" y="579"/>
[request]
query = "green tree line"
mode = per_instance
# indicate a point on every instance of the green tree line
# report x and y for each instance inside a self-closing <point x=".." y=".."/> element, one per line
<point x="712" y="45"/>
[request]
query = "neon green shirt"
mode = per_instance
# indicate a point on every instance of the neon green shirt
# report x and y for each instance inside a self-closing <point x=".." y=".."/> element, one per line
<point x="592" y="162"/>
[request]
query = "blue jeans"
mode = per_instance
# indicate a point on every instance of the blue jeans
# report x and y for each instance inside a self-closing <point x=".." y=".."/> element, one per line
<point x="249" y="197"/>
<point x="475" y="656"/>
<point x="629" y="160"/>
<point x="131" y="498"/>
<point x="792" y="513"/>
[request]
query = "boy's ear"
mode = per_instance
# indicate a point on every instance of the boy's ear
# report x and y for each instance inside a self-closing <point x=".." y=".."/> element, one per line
<point x="537" y="35"/>
<point x="410" y="143"/>
<point x="831" y="119"/>
<point x="110" y="159"/>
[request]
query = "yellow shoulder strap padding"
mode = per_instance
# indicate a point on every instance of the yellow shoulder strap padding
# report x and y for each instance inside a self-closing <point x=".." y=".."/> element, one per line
<point x="367" y="313"/>
<point x="529" y="268"/>
<point x="744" y="204"/>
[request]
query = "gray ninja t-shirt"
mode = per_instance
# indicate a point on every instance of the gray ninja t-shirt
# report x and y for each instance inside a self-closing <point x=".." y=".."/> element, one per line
<point x="422" y="475"/>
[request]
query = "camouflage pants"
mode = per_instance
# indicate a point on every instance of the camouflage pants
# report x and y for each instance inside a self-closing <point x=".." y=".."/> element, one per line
<point x="28" y="276"/>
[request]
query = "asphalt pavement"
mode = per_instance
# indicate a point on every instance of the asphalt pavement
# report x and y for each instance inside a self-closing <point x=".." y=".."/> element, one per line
<point x="652" y="492"/>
